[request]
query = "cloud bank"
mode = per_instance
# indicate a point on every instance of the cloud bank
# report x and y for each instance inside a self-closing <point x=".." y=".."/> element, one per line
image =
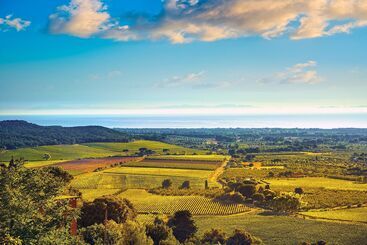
<point x="183" y="21"/>
<point x="9" y="22"/>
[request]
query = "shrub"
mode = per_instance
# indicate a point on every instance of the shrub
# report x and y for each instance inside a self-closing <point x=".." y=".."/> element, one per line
<point x="285" y="204"/>
<point x="230" y="198"/>
<point x="240" y="237"/>
<point x="247" y="190"/>
<point x="167" y="183"/>
<point x="259" y="197"/>
<point x="185" y="185"/>
<point x="298" y="190"/>
<point x="214" y="237"/>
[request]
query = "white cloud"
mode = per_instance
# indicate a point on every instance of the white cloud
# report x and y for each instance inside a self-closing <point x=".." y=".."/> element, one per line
<point x="13" y="23"/>
<point x="302" y="73"/>
<point x="81" y="18"/>
<point x="184" y="21"/>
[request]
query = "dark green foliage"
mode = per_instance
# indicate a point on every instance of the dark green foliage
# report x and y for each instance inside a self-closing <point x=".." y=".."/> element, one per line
<point x="214" y="237"/>
<point x="185" y="185"/>
<point x="247" y="190"/>
<point x="119" y="210"/>
<point x="158" y="231"/>
<point x="28" y="207"/>
<point x="230" y="198"/>
<point x="298" y="190"/>
<point x="285" y="204"/>
<point x="240" y="238"/>
<point x="167" y="183"/>
<point x="259" y="197"/>
<point x="111" y="233"/>
<point x="14" y="134"/>
<point x="183" y="225"/>
<point x="58" y="173"/>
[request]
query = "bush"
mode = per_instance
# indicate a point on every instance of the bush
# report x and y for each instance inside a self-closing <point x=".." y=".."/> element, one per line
<point x="167" y="183"/>
<point x="123" y="234"/>
<point x="185" y="185"/>
<point x="240" y="237"/>
<point x="285" y="204"/>
<point x="214" y="237"/>
<point x="247" y="190"/>
<point x="259" y="197"/>
<point x="298" y="190"/>
<point x="230" y="198"/>
<point x="119" y="210"/>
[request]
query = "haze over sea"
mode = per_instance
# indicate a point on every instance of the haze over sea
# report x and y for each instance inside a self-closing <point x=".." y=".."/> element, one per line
<point x="242" y="121"/>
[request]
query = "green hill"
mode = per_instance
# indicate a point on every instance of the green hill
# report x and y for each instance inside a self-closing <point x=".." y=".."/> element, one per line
<point x="15" y="134"/>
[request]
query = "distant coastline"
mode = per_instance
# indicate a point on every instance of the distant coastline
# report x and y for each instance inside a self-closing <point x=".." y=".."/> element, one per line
<point x="250" y="121"/>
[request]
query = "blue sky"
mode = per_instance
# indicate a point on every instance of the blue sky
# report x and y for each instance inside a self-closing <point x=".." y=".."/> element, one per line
<point x="194" y="57"/>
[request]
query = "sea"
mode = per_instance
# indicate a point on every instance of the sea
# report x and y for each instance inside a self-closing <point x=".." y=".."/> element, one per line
<point x="184" y="121"/>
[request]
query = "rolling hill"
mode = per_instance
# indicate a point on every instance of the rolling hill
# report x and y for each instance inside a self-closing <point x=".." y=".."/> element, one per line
<point x="16" y="133"/>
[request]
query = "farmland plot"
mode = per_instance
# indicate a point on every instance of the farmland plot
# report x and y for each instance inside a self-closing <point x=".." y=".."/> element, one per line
<point x="145" y="203"/>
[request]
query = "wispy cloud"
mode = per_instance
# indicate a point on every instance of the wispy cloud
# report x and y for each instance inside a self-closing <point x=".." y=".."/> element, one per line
<point x="184" y="21"/>
<point x="194" y="80"/>
<point x="302" y="73"/>
<point x="9" y="22"/>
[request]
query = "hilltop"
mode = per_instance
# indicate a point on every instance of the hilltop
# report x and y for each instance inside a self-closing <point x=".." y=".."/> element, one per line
<point x="17" y="133"/>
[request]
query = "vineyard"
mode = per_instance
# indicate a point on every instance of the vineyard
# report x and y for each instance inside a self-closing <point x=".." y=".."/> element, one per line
<point x="146" y="203"/>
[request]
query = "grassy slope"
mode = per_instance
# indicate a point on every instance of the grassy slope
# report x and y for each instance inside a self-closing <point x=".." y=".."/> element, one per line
<point x="57" y="152"/>
<point x="135" y="145"/>
<point x="70" y="152"/>
<point x="286" y="229"/>
<point x="351" y="214"/>
<point x="312" y="182"/>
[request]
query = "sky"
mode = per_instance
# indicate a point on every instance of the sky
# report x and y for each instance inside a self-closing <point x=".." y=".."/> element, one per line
<point x="194" y="57"/>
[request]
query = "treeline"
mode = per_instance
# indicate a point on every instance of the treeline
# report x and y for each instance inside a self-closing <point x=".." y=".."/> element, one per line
<point x="15" y="134"/>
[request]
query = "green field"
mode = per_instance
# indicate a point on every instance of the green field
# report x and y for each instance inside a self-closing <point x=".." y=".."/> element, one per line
<point x="91" y="150"/>
<point x="145" y="202"/>
<point x="57" y="152"/>
<point x="134" y="146"/>
<point x="348" y="214"/>
<point x="141" y="178"/>
<point x="280" y="230"/>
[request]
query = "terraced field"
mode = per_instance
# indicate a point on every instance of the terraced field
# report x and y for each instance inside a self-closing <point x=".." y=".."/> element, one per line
<point x="146" y="203"/>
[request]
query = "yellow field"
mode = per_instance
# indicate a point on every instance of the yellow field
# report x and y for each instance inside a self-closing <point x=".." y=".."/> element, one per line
<point x="203" y="174"/>
<point x="314" y="182"/>
<point x="348" y="214"/>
